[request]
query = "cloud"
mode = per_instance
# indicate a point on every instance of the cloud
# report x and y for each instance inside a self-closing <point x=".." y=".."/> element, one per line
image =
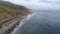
<point x="38" y="4"/>
<point x="51" y="1"/>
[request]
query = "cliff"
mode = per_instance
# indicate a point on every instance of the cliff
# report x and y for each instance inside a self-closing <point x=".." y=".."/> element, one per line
<point x="8" y="10"/>
<point x="10" y="16"/>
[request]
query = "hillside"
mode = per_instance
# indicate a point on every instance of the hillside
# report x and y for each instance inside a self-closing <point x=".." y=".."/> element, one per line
<point x="8" y="10"/>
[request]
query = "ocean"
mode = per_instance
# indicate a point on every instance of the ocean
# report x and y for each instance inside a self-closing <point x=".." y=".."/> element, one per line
<point x="40" y="22"/>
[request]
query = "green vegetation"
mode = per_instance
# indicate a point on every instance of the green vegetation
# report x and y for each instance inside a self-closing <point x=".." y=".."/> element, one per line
<point x="8" y="10"/>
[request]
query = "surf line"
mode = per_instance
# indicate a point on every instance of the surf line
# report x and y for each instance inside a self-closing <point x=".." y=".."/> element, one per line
<point x="23" y="21"/>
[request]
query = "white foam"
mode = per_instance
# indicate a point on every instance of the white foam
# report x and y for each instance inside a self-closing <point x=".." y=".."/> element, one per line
<point x="17" y="27"/>
<point x="29" y="16"/>
<point x="22" y="22"/>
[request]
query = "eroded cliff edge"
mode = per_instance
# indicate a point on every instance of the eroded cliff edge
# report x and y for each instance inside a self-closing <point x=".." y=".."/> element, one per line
<point x="10" y="16"/>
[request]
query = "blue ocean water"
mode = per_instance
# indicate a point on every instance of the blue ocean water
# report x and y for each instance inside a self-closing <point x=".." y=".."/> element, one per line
<point x="42" y="22"/>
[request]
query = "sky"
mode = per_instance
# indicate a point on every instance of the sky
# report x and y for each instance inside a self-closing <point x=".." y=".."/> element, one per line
<point x="38" y="4"/>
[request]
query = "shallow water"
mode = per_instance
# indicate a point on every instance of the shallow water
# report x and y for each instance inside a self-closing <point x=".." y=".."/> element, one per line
<point x="40" y="22"/>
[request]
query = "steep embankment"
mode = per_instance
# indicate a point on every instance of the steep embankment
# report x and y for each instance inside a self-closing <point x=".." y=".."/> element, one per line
<point x="10" y="15"/>
<point x="8" y="10"/>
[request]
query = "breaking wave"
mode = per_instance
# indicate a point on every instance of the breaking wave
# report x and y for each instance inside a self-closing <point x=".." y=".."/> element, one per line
<point x="22" y="22"/>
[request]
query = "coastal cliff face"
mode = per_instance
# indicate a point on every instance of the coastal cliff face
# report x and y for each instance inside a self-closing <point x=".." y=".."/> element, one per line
<point x="8" y="10"/>
<point x="10" y="16"/>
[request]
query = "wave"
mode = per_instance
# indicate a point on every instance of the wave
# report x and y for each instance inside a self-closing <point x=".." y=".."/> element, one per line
<point x="22" y="22"/>
<point x="29" y="16"/>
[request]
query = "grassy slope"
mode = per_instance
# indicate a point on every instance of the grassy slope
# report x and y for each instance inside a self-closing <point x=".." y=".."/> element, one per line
<point x="8" y="10"/>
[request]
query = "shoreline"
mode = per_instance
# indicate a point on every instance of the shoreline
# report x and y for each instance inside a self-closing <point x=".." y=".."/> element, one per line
<point x="12" y="26"/>
<point x="20" y="24"/>
<point x="20" y="21"/>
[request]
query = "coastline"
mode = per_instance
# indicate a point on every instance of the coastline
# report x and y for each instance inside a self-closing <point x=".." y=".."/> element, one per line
<point x="11" y="27"/>
<point x="7" y="25"/>
<point x="20" y="23"/>
<point x="14" y="26"/>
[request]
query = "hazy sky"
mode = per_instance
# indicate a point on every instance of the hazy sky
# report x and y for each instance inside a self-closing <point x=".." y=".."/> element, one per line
<point x="38" y="4"/>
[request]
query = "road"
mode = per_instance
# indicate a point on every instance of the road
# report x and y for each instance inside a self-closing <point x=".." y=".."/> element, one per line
<point x="10" y="23"/>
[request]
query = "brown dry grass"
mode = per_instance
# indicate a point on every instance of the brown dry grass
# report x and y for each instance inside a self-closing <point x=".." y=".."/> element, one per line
<point x="4" y="15"/>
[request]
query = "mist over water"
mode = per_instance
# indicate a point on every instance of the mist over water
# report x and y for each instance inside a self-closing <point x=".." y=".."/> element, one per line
<point x="41" y="22"/>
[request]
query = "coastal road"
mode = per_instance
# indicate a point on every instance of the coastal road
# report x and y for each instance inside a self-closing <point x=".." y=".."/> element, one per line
<point x="6" y="26"/>
<point x="6" y="20"/>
